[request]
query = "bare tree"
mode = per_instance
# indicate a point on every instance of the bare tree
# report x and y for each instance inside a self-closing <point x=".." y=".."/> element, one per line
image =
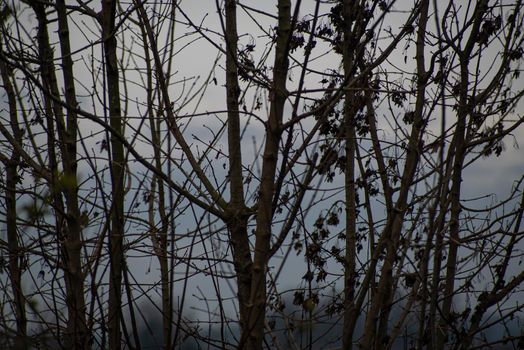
<point x="297" y="176"/>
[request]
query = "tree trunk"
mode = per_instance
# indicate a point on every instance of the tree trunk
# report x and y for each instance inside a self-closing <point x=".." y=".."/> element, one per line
<point x="15" y="253"/>
<point x="68" y="216"/>
<point x="237" y="216"/>
<point x="278" y="95"/>
<point x="73" y="245"/>
<point x="117" y="174"/>
<point x="381" y="304"/>
<point x="349" y="185"/>
<point x="459" y="144"/>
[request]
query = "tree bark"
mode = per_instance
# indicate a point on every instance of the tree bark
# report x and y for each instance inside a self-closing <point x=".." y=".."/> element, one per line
<point x="237" y="216"/>
<point x="15" y="251"/>
<point x="68" y="216"/>
<point x="257" y="301"/>
<point x="380" y="305"/>
<point x="459" y="144"/>
<point x="117" y="174"/>
<point x="349" y="180"/>
<point x="73" y="245"/>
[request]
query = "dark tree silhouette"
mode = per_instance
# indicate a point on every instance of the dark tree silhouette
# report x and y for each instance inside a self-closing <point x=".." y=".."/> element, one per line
<point x="236" y="174"/>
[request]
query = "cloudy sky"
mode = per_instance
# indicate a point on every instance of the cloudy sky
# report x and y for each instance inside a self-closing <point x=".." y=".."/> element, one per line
<point x="196" y="64"/>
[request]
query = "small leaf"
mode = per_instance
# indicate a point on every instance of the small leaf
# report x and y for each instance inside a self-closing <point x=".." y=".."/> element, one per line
<point x="309" y="305"/>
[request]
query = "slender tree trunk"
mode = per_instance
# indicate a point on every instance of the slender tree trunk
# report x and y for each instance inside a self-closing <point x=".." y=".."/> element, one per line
<point x="237" y="216"/>
<point x="162" y="254"/>
<point x="73" y="244"/>
<point x="68" y="216"/>
<point x="350" y="190"/>
<point x="454" y="226"/>
<point x="412" y="159"/>
<point x="380" y="307"/>
<point x="278" y="95"/>
<point x="117" y="174"/>
<point x="159" y="237"/>
<point x="459" y="143"/>
<point x="438" y="227"/>
<point x="351" y="251"/>
<point x="14" y="249"/>
<point x="49" y="83"/>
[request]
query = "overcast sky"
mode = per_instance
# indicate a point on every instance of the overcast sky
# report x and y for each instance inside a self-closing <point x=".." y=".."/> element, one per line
<point x="488" y="176"/>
